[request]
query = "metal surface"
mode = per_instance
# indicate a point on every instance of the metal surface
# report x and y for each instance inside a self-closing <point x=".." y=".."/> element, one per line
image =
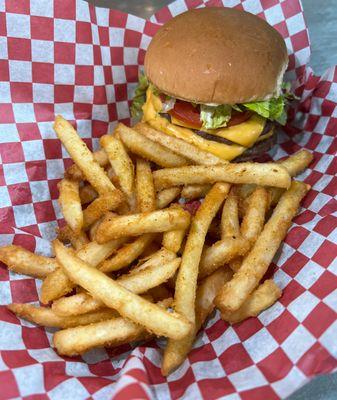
<point x="321" y="18"/>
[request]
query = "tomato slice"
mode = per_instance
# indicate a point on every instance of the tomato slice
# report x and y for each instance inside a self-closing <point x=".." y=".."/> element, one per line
<point x="238" y="117"/>
<point x="189" y="114"/>
<point x="185" y="112"/>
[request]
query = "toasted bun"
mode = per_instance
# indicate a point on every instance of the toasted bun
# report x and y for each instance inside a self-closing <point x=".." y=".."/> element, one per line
<point x="217" y="55"/>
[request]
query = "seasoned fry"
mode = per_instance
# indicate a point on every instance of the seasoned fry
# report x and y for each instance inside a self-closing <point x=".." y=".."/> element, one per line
<point x="148" y="149"/>
<point x="221" y="253"/>
<point x="82" y="156"/>
<point x="129" y="305"/>
<point x="298" y="162"/>
<point x="264" y="174"/>
<point x="192" y="192"/>
<point x="262" y="298"/>
<point x="46" y="316"/>
<point x="178" y="146"/>
<point x="74" y="173"/>
<point x="121" y="163"/>
<point x="70" y="204"/>
<point x="146" y="195"/>
<point x="235" y="264"/>
<point x="253" y="221"/>
<point x="172" y="240"/>
<point x="57" y="284"/>
<point x="87" y="194"/>
<point x="65" y="234"/>
<point x="155" y="271"/>
<point x="137" y="224"/>
<point x="166" y="196"/>
<point x="22" y="261"/>
<point x="255" y="264"/>
<point x="127" y="254"/>
<point x="230" y="225"/>
<point x="206" y="292"/>
<point x="100" y="206"/>
<point x="186" y="283"/>
<point x="109" y="333"/>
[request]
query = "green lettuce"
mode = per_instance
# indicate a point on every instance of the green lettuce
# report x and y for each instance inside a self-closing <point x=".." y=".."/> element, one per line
<point x="214" y="117"/>
<point x="273" y="109"/>
<point x="140" y="96"/>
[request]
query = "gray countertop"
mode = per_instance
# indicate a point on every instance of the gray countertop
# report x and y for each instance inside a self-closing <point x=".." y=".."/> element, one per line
<point x="321" y="18"/>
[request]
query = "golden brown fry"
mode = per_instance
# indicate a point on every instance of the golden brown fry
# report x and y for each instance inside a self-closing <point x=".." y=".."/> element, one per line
<point x="82" y="156"/>
<point x="127" y="254"/>
<point x="298" y="162"/>
<point x="101" y="205"/>
<point x="155" y="271"/>
<point x="70" y="204"/>
<point x="25" y="262"/>
<point x="129" y="305"/>
<point x="57" y="284"/>
<point x="137" y="224"/>
<point x="186" y="283"/>
<point x="87" y="194"/>
<point x="148" y="149"/>
<point x="172" y="240"/>
<point x="207" y="290"/>
<point x="146" y="195"/>
<point x="230" y="225"/>
<point x="262" y="298"/>
<point x="235" y="264"/>
<point x="121" y="163"/>
<point x="65" y="235"/>
<point x="46" y="316"/>
<point x="221" y="253"/>
<point x="192" y="192"/>
<point x="256" y="263"/>
<point x="178" y="146"/>
<point x="253" y="221"/>
<point x="74" y="173"/>
<point x="109" y="333"/>
<point x="264" y="174"/>
<point x="166" y="196"/>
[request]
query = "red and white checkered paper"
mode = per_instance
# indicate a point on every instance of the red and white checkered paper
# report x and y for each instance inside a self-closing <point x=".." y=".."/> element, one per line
<point x="70" y="58"/>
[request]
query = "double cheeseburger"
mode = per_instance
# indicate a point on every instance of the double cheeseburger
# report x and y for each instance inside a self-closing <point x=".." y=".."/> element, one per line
<point x="213" y="77"/>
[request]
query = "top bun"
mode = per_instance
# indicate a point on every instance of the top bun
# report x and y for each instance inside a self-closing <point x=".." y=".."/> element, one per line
<point x="218" y="56"/>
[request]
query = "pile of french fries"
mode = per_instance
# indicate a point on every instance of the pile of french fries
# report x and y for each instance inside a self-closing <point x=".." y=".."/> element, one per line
<point x="132" y="263"/>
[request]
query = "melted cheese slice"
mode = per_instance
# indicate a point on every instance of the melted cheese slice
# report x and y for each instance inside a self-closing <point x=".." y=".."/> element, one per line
<point x="245" y="134"/>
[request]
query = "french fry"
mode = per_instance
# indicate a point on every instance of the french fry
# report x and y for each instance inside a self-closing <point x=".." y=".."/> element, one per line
<point x="206" y="292"/>
<point x="298" y="162"/>
<point x="66" y="234"/>
<point x="230" y="226"/>
<point x="22" y="261"/>
<point x="235" y="264"/>
<point x="137" y="224"/>
<point x="129" y="305"/>
<point x="146" y="195"/>
<point x="253" y="221"/>
<point x="101" y="205"/>
<point x="255" y="264"/>
<point x="262" y="298"/>
<point x="74" y="173"/>
<point x="166" y="196"/>
<point x="127" y="254"/>
<point x="121" y="164"/>
<point x="172" y="240"/>
<point x="70" y="204"/>
<point x="148" y="149"/>
<point x="221" y="253"/>
<point x="155" y="271"/>
<point x="264" y="174"/>
<point x="46" y="316"/>
<point x="178" y="146"/>
<point x="192" y="192"/>
<point x="87" y="194"/>
<point x="82" y="156"/>
<point x="186" y="283"/>
<point x="113" y="332"/>
<point x="159" y="292"/>
<point x="57" y="284"/>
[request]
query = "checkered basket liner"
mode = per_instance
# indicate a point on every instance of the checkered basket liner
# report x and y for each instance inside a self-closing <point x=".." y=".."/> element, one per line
<point x="70" y="58"/>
